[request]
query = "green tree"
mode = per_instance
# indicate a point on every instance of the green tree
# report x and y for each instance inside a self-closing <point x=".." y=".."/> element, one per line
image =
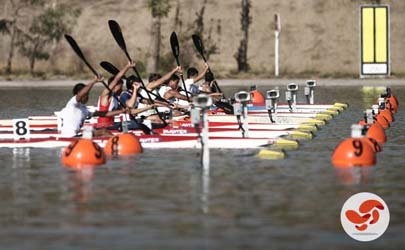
<point x="45" y="28"/>
<point x="13" y="23"/>
<point x="159" y="9"/>
<point x="198" y="28"/>
<point x="246" y="20"/>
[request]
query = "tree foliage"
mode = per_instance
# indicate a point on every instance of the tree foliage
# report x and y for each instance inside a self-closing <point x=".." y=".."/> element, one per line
<point x="199" y="27"/>
<point x="45" y="28"/>
<point x="159" y="8"/>
<point x="246" y="20"/>
<point x="5" y="26"/>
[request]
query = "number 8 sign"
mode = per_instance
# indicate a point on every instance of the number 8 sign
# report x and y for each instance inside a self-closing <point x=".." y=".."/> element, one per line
<point x="21" y="129"/>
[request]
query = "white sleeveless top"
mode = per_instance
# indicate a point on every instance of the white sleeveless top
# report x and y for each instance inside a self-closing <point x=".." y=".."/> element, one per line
<point x="73" y="116"/>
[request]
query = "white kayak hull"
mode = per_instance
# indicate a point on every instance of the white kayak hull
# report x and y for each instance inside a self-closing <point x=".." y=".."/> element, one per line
<point x="174" y="142"/>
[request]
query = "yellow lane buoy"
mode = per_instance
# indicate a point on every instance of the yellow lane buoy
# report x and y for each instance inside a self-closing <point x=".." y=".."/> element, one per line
<point x="324" y="117"/>
<point x="286" y="144"/>
<point x="332" y="112"/>
<point x="307" y="128"/>
<point x="312" y="121"/>
<point x="342" y="105"/>
<point x="300" y="135"/>
<point x="271" y="154"/>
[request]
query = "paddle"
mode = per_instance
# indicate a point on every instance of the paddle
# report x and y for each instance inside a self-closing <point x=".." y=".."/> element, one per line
<point x="200" y="48"/>
<point x="80" y="54"/>
<point x="110" y="68"/>
<point x="174" y="42"/>
<point x="119" y="38"/>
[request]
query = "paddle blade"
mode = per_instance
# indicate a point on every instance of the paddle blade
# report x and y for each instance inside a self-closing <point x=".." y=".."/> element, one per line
<point x="107" y="66"/>
<point x="117" y="34"/>
<point x="79" y="52"/>
<point x="199" y="45"/>
<point x="174" y="42"/>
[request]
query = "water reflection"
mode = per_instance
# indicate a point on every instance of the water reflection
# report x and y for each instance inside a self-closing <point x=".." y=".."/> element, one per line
<point x="354" y="175"/>
<point x="370" y="95"/>
<point x="81" y="179"/>
<point x="205" y="180"/>
<point x="21" y="157"/>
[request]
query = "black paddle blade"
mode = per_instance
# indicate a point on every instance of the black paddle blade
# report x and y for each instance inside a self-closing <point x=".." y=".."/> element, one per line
<point x="79" y="52"/>
<point x="117" y="34"/>
<point x="174" y="42"/>
<point x="107" y="66"/>
<point x="198" y="44"/>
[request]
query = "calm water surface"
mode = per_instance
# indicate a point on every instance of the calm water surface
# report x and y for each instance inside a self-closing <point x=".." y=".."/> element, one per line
<point x="163" y="200"/>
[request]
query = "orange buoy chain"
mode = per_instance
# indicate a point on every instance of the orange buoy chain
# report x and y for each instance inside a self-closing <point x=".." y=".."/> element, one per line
<point x="84" y="152"/>
<point x="368" y="135"/>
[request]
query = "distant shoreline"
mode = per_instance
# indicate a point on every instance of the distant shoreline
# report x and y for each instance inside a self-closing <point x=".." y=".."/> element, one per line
<point x="222" y="82"/>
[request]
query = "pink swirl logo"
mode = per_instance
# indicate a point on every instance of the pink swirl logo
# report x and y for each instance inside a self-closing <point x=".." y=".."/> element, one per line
<point x="365" y="216"/>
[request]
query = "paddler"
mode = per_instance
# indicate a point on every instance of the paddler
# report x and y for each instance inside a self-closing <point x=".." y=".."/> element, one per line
<point x="155" y="82"/>
<point x="75" y="111"/>
<point x="193" y="77"/>
<point x="131" y="98"/>
<point x="137" y="99"/>
<point x="106" y="101"/>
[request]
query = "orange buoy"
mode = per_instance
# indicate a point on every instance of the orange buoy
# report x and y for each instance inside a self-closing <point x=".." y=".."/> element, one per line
<point x="387" y="114"/>
<point x="391" y="101"/>
<point x="390" y="106"/>
<point x="383" y="121"/>
<point x="374" y="144"/>
<point x="376" y="131"/>
<point x="82" y="153"/>
<point x="257" y="98"/>
<point x="354" y="151"/>
<point x="362" y="122"/>
<point x="123" y="144"/>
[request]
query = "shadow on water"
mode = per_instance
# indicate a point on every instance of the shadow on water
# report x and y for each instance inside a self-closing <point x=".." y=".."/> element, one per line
<point x="163" y="199"/>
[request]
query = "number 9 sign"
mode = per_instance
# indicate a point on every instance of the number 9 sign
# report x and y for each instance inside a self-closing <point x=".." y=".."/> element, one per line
<point x="21" y="129"/>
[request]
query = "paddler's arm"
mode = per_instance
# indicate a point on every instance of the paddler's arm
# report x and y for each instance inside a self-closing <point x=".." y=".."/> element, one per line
<point x="202" y="74"/>
<point x="85" y="91"/>
<point x="131" y="101"/>
<point x="109" y="113"/>
<point x="172" y="93"/>
<point x="140" y="110"/>
<point x="152" y="85"/>
<point x="105" y="94"/>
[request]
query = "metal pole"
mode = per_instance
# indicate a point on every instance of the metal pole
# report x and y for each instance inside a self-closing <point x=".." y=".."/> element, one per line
<point x="277" y="29"/>
<point x="245" y="120"/>
<point x="206" y="149"/>
<point x="276" y="66"/>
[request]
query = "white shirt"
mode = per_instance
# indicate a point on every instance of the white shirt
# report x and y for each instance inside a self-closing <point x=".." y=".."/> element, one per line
<point x="73" y="116"/>
<point x="188" y="83"/>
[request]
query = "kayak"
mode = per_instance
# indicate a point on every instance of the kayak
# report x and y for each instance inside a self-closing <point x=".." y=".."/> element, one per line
<point x="153" y="141"/>
<point x="266" y="119"/>
<point x="188" y="131"/>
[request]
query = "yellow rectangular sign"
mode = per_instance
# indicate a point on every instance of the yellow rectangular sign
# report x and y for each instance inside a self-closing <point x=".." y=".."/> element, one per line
<point x="374" y="25"/>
